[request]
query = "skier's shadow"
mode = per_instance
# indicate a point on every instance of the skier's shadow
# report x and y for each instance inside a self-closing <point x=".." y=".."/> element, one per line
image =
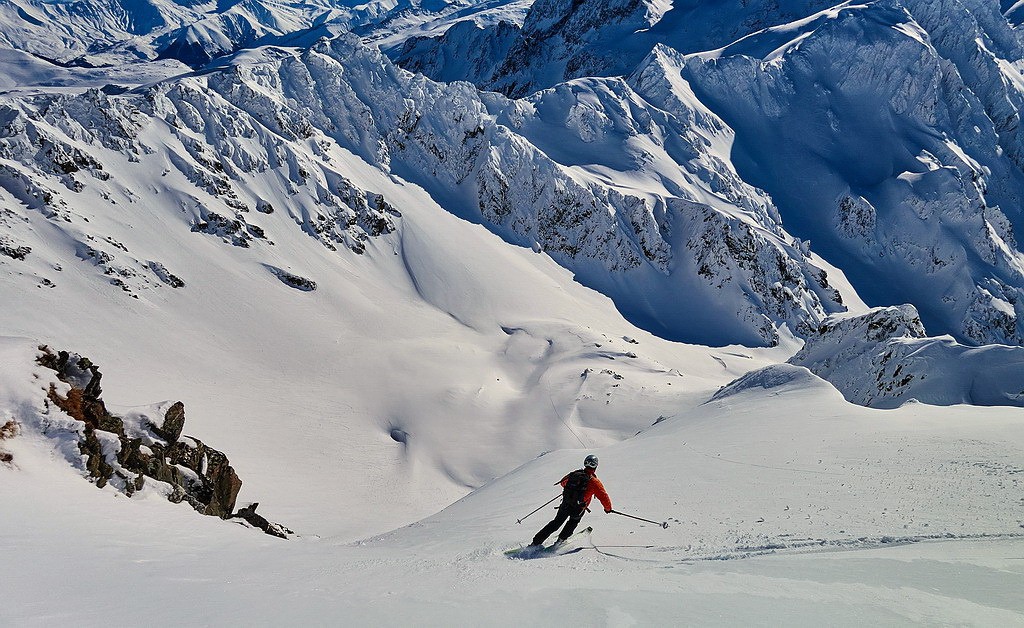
<point x="543" y="554"/>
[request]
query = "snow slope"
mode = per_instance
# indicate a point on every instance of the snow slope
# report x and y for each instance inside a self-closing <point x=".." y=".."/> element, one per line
<point x="508" y="331"/>
<point x="767" y="494"/>
<point x="404" y="309"/>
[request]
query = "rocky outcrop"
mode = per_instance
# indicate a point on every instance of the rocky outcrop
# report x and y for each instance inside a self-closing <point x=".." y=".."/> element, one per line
<point x="7" y="430"/>
<point x="250" y="516"/>
<point x="291" y="280"/>
<point x="129" y="451"/>
<point x="884" y="358"/>
<point x="173" y="423"/>
<point x="12" y="250"/>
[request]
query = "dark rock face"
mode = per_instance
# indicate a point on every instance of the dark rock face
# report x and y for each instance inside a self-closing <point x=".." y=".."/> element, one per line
<point x="12" y="250"/>
<point x="174" y="422"/>
<point x="249" y="515"/>
<point x="235" y="231"/>
<point x="295" y="281"/>
<point x="7" y="430"/>
<point x="124" y="454"/>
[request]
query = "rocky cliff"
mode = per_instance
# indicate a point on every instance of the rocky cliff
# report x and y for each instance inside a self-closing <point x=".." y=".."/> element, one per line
<point x="143" y="447"/>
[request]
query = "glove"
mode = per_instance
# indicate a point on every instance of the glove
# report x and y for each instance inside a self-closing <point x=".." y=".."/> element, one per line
<point x="607" y="511"/>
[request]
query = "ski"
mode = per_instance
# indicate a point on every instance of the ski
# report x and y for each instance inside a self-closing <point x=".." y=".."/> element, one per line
<point x="554" y="547"/>
<point x="530" y="551"/>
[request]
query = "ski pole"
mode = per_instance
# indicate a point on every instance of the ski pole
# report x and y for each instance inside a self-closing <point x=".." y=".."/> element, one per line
<point x="663" y="524"/>
<point x="542" y="505"/>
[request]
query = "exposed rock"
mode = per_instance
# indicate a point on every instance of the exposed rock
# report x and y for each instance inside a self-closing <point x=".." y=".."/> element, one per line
<point x="294" y="281"/>
<point x="12" y="249"/>
<point x="249" y="515"/>
<point x="234" y="231"/>
<point x="174" y="422"/>
<point x="7" y="430"/>
<point x="165" y="275"/>
<point x="124" y="451"/>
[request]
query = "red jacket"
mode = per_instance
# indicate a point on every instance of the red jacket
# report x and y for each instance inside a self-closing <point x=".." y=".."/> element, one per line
<point x="594" y="489"/>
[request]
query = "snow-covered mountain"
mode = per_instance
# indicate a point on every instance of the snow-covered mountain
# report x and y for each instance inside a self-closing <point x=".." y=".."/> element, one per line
<point x="89" y="32"/>
<point x="887" y="136"/>
<point x="561" y="40"/>
<point x="282" y="211"/>
<point x="652" y="210"/>
<point x="99" y="33"/>
<point x="884" y="359"/>
<point x="389" y="299"/>
<point x="916" y="178"/>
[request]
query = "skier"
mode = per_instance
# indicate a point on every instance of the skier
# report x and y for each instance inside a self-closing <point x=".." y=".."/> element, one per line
<point x="579" y="487"/>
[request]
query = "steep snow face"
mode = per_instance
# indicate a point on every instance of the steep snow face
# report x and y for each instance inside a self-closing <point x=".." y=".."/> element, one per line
<point x="639" y="201"/>
<point x="561" y="40"/>
<point x="893" y="148"/>
<point x="888" y="132"/>
<point x="781" y="503"/>
<point x="465" y="52"/>
<point x="883" y="359"/>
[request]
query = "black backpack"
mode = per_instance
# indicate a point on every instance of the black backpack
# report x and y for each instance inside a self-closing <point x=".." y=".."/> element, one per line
<point x="576" y="484"/>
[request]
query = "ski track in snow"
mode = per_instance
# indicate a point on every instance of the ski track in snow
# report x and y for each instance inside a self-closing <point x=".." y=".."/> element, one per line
<point x="769" y="495"/>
